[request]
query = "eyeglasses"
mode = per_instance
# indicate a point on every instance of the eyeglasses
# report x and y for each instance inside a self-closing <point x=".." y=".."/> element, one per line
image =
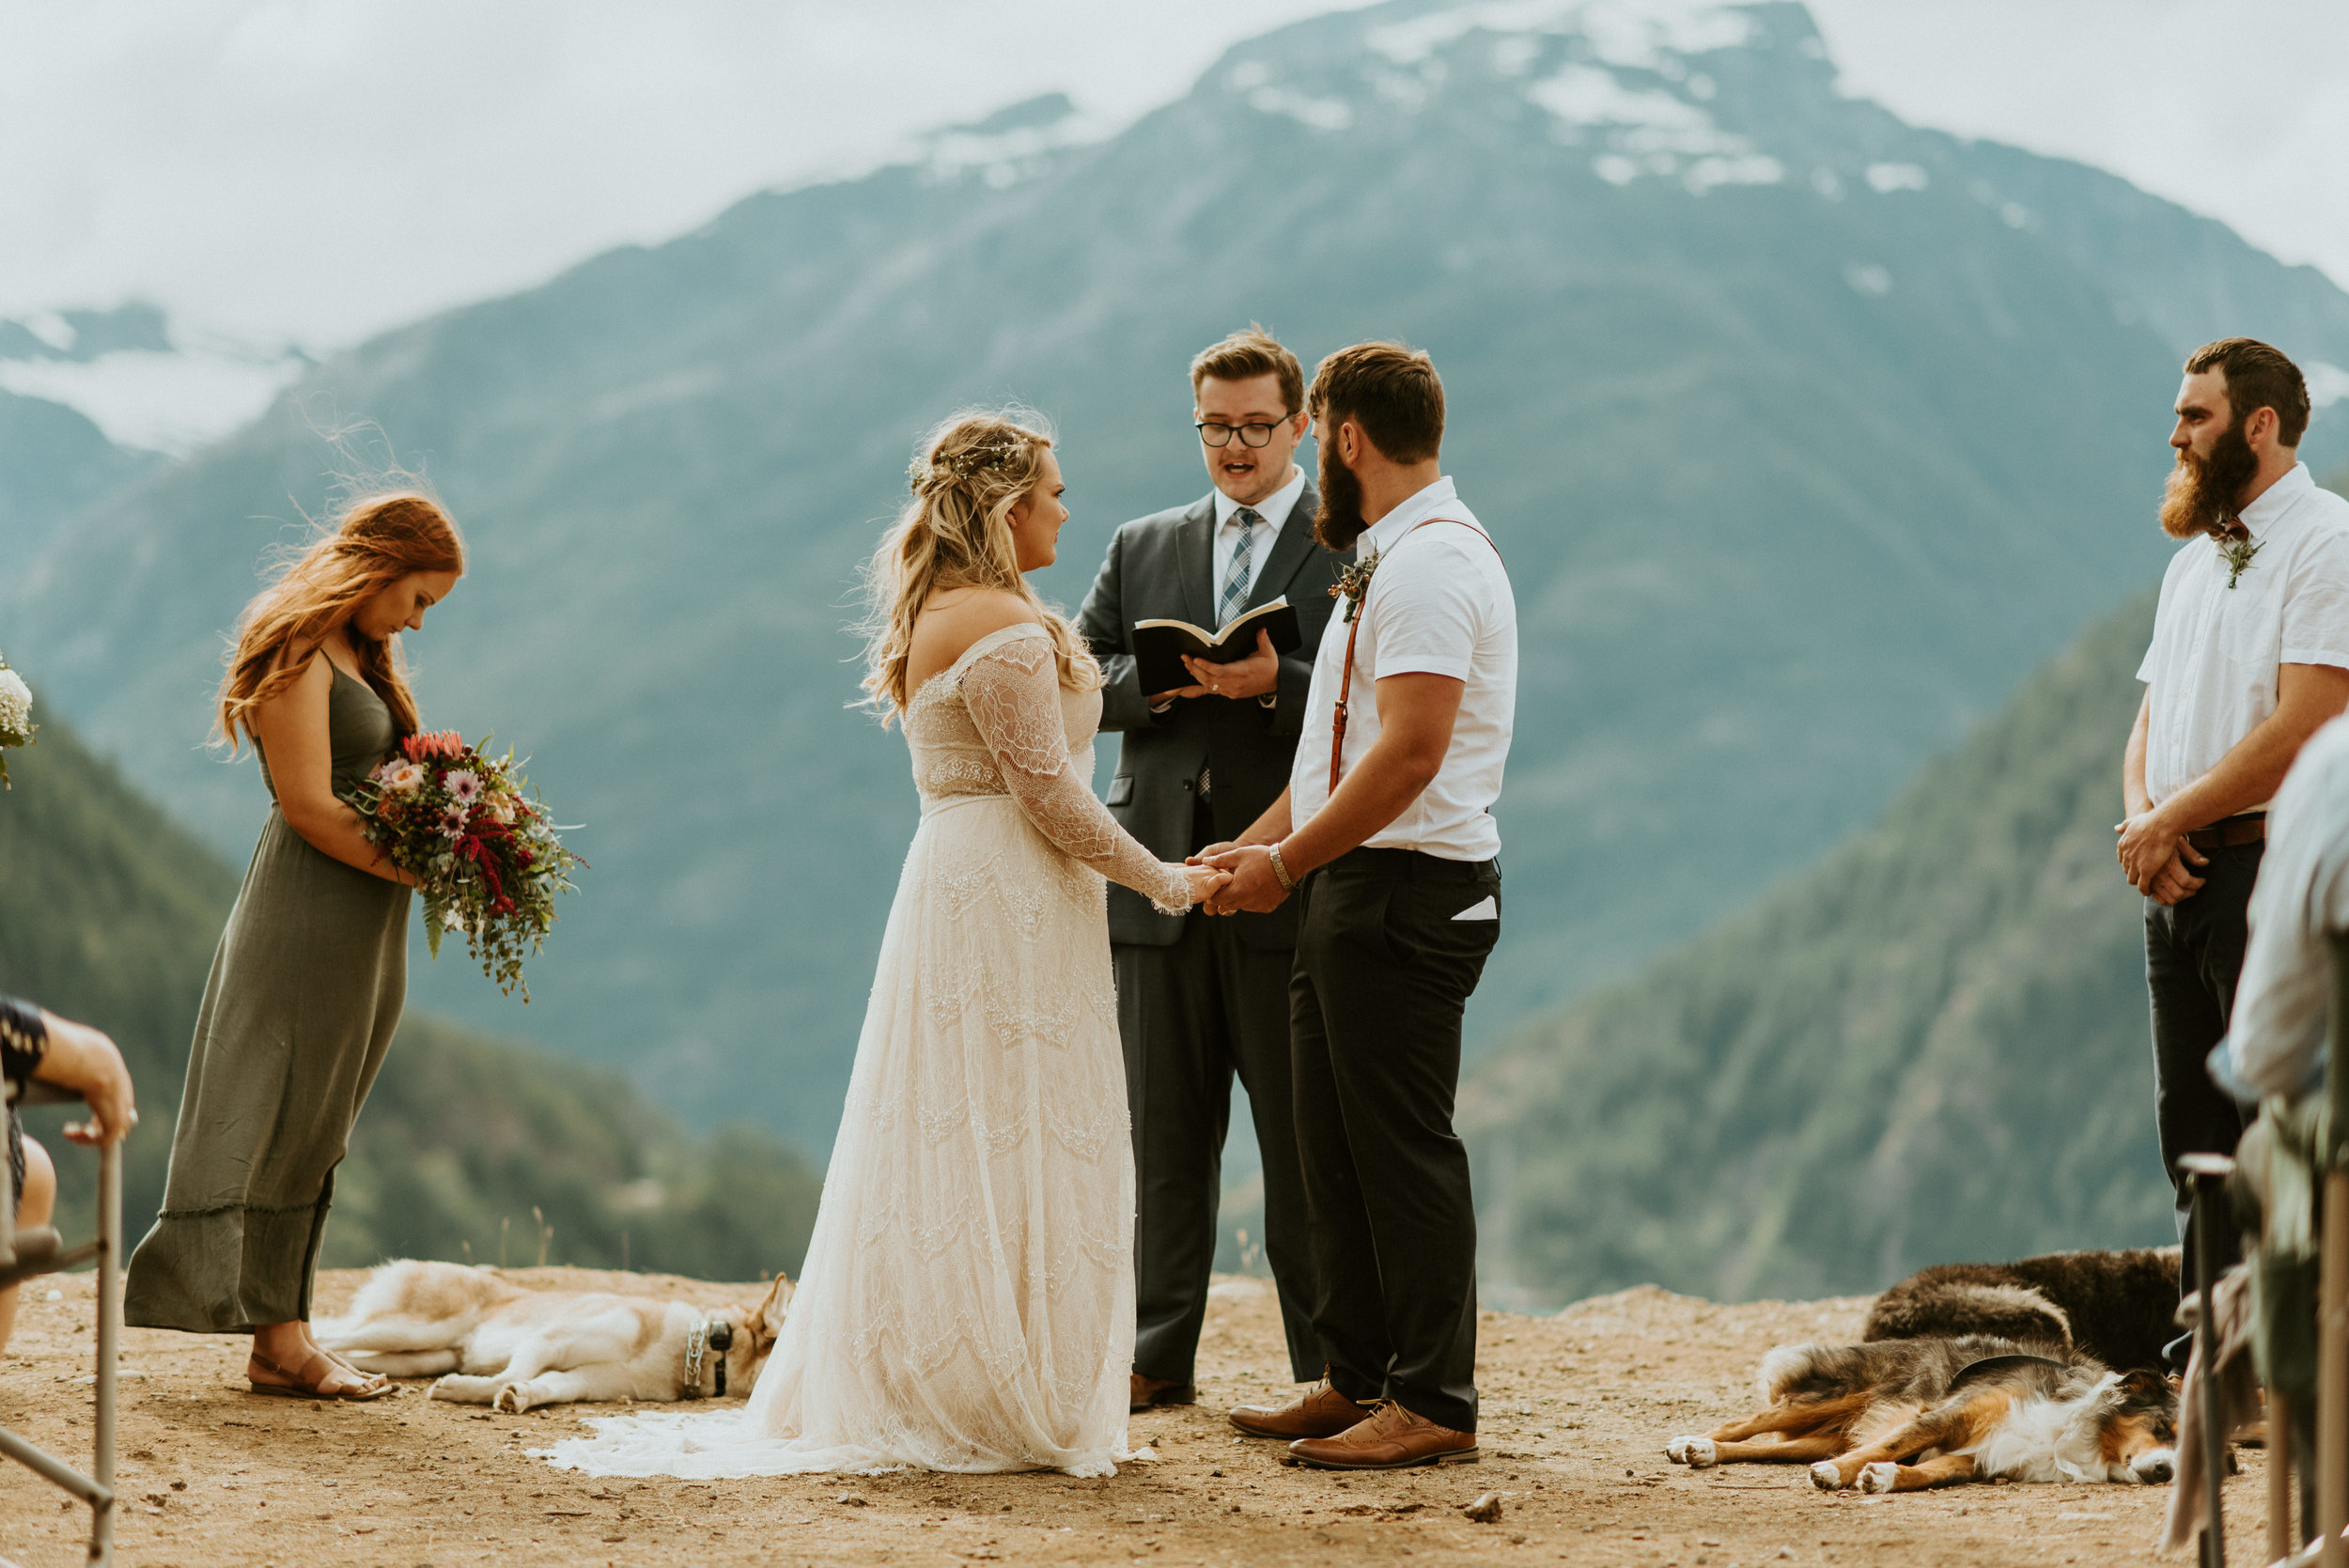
<point x="1255" y="433"/>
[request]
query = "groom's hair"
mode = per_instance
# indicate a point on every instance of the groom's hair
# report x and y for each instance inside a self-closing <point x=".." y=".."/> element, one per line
<point x="1391" y="391"/>
<point x="2257" y="377"/>
<point x="1246" y="355"/>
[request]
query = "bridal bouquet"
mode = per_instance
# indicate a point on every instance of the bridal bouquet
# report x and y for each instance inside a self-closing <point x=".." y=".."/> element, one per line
<point x="484" y="856"/>
<point x="16" y="717"/>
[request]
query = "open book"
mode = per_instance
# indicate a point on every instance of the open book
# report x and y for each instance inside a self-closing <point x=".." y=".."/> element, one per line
<point x="1159" y="646"/>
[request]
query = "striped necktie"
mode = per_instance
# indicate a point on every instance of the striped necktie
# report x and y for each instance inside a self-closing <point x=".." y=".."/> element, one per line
<point x="1236" y="581"/>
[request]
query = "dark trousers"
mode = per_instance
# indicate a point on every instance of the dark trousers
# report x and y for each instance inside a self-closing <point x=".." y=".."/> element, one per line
<point x="1383" y="975"/>
<point x="2193" y="954"/>
<point x="1192" y="1014"/>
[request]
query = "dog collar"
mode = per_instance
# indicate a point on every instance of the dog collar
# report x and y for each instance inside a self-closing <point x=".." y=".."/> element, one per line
<point x="710" y="1334"/>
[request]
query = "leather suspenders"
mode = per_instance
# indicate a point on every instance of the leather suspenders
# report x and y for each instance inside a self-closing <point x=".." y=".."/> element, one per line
<point x="1345" y="681"/>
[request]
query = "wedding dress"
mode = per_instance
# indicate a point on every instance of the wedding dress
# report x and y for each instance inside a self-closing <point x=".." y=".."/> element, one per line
<point x="968" y="1298"/>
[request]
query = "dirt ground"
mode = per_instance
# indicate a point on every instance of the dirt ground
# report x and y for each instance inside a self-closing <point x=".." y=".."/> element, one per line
<point x="1577" y="1410"/>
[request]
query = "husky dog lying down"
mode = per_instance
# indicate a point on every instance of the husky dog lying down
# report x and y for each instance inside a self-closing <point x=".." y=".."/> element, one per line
<point x="502" y="1345"/>
<point x="1902" y="1415"/>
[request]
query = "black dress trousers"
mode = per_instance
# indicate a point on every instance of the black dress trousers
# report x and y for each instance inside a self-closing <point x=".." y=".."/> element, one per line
<point x="2193" y="956"/>
<point x="1384" y="971"/>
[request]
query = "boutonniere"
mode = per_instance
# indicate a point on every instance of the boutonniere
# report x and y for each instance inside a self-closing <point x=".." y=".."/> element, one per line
<point x="2237" y="553"/>
<point x="1353" y="584"/>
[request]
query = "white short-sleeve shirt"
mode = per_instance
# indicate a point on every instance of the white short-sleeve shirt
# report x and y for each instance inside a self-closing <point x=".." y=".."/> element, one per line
<point x="2212" y="667"/>
<point x="1440" y="603"/>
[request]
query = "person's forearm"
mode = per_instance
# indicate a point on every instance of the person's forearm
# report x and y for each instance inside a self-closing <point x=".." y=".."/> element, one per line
<point x="1272" y="827"/>
<point x="2245" y="777"/>
<point x="2134" y="801"/>
<point x="333" y="828"/>
<point x="1380" y="788"/>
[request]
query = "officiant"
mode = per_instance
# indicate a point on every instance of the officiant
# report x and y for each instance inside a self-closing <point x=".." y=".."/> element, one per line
<point x="1200" y="998"/>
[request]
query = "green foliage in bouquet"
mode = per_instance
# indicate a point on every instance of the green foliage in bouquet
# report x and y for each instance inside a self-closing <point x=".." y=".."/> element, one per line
<point x="16" y="717"/>
<point x="484" y="854"/>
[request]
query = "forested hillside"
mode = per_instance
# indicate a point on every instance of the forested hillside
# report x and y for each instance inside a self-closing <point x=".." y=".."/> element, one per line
<point x="1807" y="433"/>
<point x="1930" y="1045"/>
<point x="109" y="912"/>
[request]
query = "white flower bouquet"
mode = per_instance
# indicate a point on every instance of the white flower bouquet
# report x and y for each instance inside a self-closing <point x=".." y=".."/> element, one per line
<point x="16" y="717"/>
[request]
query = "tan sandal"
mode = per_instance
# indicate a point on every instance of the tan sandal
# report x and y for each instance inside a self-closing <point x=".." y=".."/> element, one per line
<point x="299" y="1385"/>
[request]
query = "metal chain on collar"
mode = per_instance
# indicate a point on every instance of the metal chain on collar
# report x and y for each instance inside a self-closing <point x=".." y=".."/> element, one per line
<point x="710" y="1334"/>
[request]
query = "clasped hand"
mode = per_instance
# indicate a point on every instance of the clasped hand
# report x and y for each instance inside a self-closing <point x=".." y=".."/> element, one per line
<point x="1252" y="676"/>
<point x="2153" y="856"/>
<point x="1249" y="883"/>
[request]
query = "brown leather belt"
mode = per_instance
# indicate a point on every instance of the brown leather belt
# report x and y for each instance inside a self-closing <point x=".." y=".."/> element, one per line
<point x="2249" y="829"/>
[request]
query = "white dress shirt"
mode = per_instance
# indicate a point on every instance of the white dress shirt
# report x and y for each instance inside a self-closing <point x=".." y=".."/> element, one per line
<point x="1275" y="509"/>
<point x="2211" y="666"/>
<point x="2300" y="903"/>
<point x="1440" y="603"/>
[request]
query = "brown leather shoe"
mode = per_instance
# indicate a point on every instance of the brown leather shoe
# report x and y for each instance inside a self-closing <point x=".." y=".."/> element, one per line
<point x="1391" y="1440"/>
<point x="1320" y="1411"/>
<point x="1150" y="1393"/>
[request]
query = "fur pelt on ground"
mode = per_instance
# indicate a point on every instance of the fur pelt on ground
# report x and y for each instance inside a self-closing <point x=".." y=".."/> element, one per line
<point x="2120" y="1306"/>
<point x="491" y="1343"/>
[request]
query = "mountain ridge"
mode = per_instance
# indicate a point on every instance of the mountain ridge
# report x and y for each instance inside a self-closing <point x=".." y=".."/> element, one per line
<point x="1929" y="1047"/>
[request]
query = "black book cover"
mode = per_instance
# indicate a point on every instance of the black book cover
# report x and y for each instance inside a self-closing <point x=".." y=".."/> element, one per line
<point x="1159" y="646"/>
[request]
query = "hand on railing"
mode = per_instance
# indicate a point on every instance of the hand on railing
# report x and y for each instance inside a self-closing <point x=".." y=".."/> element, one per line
<point x="85" y="1061"/>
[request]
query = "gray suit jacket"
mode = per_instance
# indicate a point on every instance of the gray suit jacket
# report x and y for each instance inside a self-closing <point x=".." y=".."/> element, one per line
<point x="1162" y="566"/>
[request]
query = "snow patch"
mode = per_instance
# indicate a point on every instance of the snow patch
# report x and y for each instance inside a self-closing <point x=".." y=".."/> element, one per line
<point x="1583" y="95"/>
<point x="1321" y="114"/>
<point x="1650" y="132"/>
<point x="1636" y="33"/>
<point x="1003" y="157"/>
<point x="1885" y="179"/>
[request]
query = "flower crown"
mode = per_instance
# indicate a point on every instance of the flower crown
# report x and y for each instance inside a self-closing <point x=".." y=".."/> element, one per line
<point x="932" y="473"/>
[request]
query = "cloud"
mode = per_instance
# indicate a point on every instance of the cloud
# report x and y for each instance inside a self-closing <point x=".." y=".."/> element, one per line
<point x="2236" y="108"/>
<point x="321" y="170"/>
<point x="316" y="170"/>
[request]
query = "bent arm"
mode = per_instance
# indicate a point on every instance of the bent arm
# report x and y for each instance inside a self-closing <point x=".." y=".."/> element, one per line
<point x="292" y="728"/>
<point x="2134" y="801"/>
<point x="2307" y="696"/>
<point x="1013" y="692"/>
<point x="1416" y="713"/>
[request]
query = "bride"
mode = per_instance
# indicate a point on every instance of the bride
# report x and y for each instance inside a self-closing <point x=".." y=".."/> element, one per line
<point x="968" y="1302"/>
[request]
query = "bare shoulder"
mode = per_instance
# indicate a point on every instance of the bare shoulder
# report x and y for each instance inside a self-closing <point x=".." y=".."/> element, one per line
<point x="314" y="667"/>
<point x="952" y="621"/>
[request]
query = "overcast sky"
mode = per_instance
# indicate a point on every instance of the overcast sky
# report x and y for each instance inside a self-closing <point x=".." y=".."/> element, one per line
<point x="315" y="170"/>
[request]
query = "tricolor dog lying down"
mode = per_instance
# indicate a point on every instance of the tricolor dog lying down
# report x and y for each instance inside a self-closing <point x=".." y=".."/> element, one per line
<point x="513" y="1348"/>
<point x="1902" y="1415"/>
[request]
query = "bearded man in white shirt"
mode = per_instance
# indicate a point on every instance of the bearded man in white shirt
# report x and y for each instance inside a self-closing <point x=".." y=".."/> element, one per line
<point x="2249" y="656"/>
<point x="1387" y="838"/>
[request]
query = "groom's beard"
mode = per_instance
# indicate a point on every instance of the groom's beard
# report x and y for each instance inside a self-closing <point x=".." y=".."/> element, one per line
<point x="1339" y="523"/>
<point x="2201" y="494"/>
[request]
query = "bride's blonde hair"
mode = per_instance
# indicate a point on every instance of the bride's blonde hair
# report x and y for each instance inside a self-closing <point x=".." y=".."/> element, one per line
<point x="956" y="532"/>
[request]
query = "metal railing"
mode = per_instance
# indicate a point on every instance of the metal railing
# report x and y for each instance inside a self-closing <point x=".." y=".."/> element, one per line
<point x="45" y="1257"/>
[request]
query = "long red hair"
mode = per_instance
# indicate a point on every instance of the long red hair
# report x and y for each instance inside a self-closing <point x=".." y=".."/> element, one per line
<point x="378" y="540"/>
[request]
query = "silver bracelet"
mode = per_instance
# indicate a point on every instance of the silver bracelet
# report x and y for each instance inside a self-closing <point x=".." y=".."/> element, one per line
<point x="1280" y="871"/>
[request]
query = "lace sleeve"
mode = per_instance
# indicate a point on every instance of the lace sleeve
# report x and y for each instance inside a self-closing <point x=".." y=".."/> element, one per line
<point x="1013" y="694"/>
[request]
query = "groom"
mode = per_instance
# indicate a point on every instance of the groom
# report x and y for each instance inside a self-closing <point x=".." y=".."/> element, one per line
<point x="1386" y="836"/>
<point x="1198" y="998"/>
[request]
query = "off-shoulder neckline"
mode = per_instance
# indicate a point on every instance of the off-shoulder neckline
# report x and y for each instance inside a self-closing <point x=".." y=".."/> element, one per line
<point x="985" y="644"/>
